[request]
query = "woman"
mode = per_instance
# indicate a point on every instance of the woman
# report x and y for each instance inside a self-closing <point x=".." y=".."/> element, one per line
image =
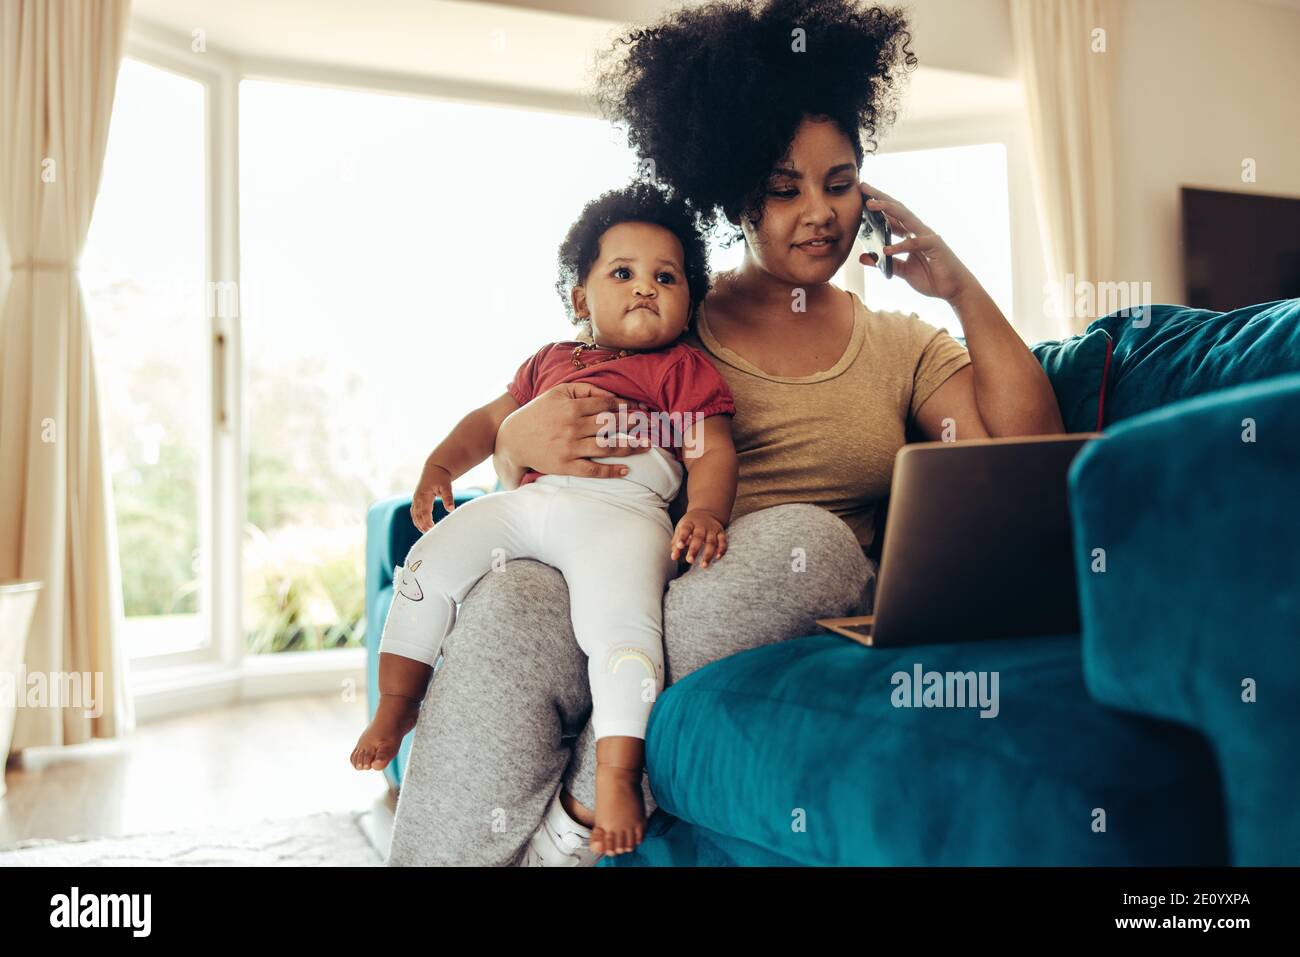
<point x="754" y="110"/>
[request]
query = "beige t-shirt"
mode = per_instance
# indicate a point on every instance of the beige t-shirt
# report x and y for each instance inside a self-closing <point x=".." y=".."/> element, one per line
<point x="830" y="438"/>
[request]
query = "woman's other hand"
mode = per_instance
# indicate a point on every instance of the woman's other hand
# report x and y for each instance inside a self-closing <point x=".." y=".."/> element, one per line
<point x="556" y="433"/>
<point x="435" y="482"/>
<point x="931" y="268"/>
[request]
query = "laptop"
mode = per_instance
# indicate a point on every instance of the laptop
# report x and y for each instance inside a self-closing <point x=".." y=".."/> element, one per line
<point x="978" y="544"/>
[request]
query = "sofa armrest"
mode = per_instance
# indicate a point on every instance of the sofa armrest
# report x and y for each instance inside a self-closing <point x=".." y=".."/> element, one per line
<point x="1196" y="616"/>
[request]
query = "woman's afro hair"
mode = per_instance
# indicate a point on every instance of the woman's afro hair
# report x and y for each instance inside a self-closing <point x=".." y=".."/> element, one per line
<point x="640" y="202"/>
<point x="712" y="95"/>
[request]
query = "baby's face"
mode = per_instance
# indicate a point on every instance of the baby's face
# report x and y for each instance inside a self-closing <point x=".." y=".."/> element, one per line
<point x="636" y="294"/>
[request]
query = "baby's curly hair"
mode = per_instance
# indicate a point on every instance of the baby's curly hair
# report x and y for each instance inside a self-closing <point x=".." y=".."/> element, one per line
<point x="713" y="94"/>
<point x="640" y="202"/>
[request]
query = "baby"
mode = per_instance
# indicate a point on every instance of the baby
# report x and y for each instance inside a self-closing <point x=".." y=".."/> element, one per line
<point x="633" y="267"/>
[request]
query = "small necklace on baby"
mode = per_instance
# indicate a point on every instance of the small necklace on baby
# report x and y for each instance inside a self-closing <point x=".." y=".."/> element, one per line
<point x="579" y="364"/>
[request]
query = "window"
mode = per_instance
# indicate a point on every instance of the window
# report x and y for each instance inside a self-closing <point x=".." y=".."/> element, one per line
<point x="398" y="264"/>
<point x="142" y="273"/>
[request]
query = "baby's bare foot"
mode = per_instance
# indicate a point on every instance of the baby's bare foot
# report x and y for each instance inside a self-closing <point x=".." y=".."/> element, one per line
<point x="620" y="810"/>
<point x="378" y="744"/>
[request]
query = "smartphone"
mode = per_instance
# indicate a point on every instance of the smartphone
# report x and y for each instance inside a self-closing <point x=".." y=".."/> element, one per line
<point x="875" y="236"/>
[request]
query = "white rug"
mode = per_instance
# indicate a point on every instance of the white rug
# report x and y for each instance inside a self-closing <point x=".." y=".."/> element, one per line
<point x="327" y="839"/>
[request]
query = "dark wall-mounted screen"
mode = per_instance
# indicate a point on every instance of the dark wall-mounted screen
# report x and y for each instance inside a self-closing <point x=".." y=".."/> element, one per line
<point x="1239" y="248"/>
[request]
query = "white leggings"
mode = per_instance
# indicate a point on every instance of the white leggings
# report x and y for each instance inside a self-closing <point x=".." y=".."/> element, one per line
<point x="610" y="539"/>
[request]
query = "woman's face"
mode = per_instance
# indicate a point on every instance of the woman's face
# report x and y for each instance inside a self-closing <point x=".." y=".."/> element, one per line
<point x="813" y="193"/>
<point x="636" y="294"/>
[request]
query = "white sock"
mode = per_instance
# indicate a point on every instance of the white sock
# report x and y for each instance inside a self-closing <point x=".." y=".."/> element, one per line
<point x="559" y="841"/>
<point x="559" y="823"/>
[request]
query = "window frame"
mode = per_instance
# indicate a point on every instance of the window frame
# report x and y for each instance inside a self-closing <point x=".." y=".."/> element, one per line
<point x="210" y="611"/>
<point x="219" y="672"/>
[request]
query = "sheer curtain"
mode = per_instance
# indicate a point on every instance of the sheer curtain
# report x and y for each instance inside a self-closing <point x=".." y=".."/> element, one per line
<point x="58" y="69"/>
<point x="1068" y="84"/>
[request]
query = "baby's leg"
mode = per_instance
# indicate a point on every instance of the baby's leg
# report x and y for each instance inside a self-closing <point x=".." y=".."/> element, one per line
<point x="616" y="572"/>
<point x="441" y="568"/>
<point x="756" y="595"/>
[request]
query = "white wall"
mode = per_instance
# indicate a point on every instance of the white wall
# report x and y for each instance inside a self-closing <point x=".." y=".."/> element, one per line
<point x="1202" y="84"/>
<point x="969" y="35"/>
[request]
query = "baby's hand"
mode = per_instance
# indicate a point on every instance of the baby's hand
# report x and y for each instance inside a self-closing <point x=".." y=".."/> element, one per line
<point x="703" y="533"/>
<point x="435" y="481"/>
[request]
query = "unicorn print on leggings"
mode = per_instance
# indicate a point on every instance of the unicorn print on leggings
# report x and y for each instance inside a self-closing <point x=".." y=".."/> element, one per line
<point x="408" y="587"/>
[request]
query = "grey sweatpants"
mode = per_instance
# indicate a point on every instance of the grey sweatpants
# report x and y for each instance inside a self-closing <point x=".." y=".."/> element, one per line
<point x="505" y="718"/>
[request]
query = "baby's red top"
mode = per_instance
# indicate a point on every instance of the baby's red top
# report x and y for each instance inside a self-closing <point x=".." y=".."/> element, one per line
<point x="678" y="380"/>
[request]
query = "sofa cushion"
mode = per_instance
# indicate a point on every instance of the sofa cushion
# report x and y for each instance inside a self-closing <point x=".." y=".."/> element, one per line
<point x="798" y="750"/>
<point x="1164" y="353"/>
<point x="1078" y="368"/>
<point x="1194" y="615"/>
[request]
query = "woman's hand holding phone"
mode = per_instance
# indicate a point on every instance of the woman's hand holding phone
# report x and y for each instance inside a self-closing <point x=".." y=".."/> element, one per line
<point x="931" y="268"/>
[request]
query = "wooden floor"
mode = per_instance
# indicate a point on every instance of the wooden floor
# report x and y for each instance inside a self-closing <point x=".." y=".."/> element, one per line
<point x="263" y="759"/>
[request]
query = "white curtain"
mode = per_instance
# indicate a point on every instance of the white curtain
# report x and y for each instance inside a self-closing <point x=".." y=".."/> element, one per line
<point x="58" y="70"/>
<point x="1068" y="86"/>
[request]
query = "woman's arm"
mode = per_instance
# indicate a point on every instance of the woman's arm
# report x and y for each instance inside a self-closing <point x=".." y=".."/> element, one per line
<point x="557" y="433"/>
<point x="509" y="473"/>
<point x="1004" y="391"/>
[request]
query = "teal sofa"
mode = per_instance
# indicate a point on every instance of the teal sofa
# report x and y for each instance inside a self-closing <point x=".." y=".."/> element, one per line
<point x="1163" y="733"/>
